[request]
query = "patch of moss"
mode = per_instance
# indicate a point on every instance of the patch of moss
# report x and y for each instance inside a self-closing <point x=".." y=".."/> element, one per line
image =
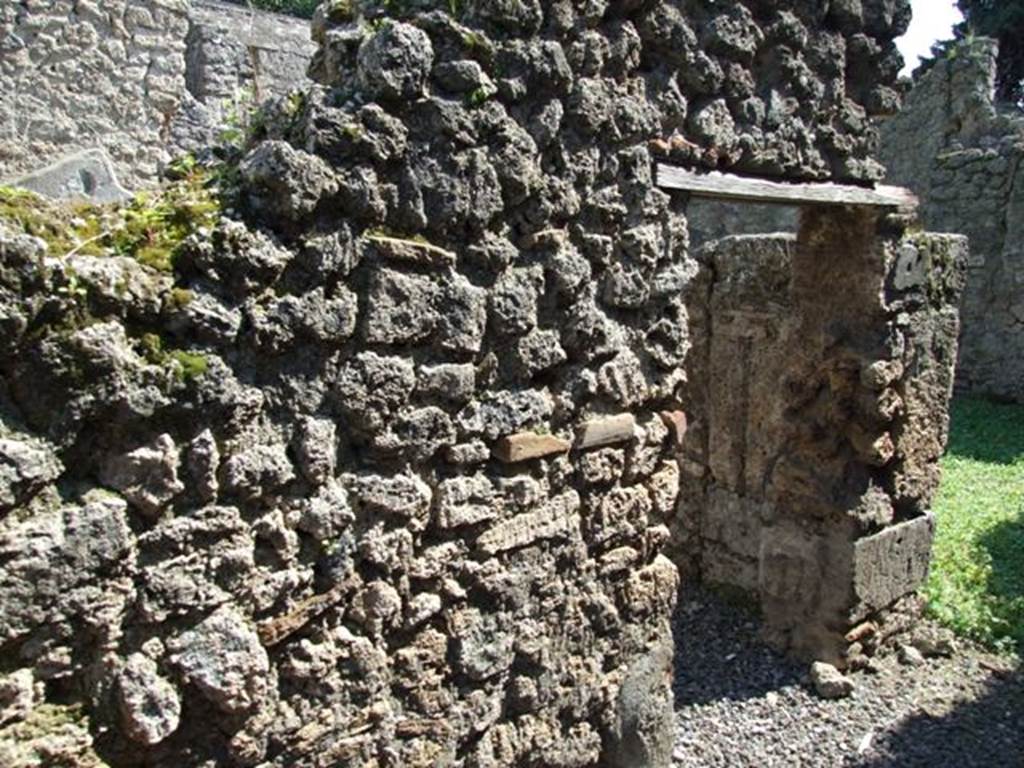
<point x="101" y="494"/>
<point x="46" y="718"/>
<point x="153" y="227"/>
<point x="179" y="298"/>
<point x="475" y="41"/>
<point x="185" y="365"/>
<point x="189" y="365"/>
<point x="340" y="10"/>
<point x="393" y="235"/>
<point x="295" y="103"/>
<point x="151" y="347"/>
<point x="150" y="228"/>
<point x="62" y="228"/>
<point x="352" y="131"/>
<point x="479" y="96"/>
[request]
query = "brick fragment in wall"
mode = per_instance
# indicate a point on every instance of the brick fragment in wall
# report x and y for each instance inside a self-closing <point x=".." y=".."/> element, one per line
<point x="558" y="519"/>
<point x="528" y="445"/>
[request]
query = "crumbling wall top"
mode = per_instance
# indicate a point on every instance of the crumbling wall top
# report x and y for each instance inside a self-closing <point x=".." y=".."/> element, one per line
<point x="765" y="88"/>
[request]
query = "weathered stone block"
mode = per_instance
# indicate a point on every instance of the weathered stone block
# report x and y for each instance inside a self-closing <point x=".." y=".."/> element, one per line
<point x="623" y="380"/>
<point x="465" y="501"/>
<point x="26" y="465"/>
<point x="149" y="705"/>
<point x="284" y="183"/>
<point x="417" y="434"/>
<point x="733" y="522"/>
<point x="258" y="470"/>
<point x="481" y="650"/>
<point x="370" y="388"/>
<point x="87" y="175"/>
<point x="222" y="656"/>
<point x="602" y="466"/>
<point x="556" y="520"/>
<point x="406" y="496"/>
<point x="506" y="412"/>
<point x="147" y="476"/>
<point x="606" y="431"/>
<point x="455" y="383"/>
<point x="618" y="560"/>
<point x="395" y="62"/>
<point x="316" y="449"/>
<point x="892" y="563"/>
<point x="401" y="308"/>
<point x="514" y="301"/>
<point x="462" y="316"/>
<point x="538" y="351"/>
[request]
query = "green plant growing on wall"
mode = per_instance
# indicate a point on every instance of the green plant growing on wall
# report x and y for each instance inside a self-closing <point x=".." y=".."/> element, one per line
<point x="241" y="119"/>
<point x="63" y="230"/>
<point x="480" y="96"/>
<point x="185" y="365"/>
<point x="150" y="228"/>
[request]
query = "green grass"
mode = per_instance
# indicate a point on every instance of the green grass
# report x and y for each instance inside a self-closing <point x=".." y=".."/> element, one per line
<point x="977" y="582"/>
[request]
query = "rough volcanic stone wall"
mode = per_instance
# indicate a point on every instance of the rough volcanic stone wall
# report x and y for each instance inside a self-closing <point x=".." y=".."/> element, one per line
<point x="820" y="416"/>
<point x="141" y="79"/>
<point x="379" y="472"/>
<point x="954" y="146"/>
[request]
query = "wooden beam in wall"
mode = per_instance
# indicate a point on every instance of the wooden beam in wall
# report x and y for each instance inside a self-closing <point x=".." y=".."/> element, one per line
<point x="725" y="186"/>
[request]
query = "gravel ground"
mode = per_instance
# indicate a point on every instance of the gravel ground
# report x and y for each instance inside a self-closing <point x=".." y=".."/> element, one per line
<point x="740" y="704"/>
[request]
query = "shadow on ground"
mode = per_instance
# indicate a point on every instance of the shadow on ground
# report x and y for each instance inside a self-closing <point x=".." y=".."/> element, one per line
<point x="1004" y="544"/>
<point x="985" y="733"/>
<point x="719" y="653"/>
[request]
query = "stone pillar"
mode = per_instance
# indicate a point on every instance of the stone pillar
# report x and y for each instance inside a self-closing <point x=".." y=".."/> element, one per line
<point x="828" y="367"/>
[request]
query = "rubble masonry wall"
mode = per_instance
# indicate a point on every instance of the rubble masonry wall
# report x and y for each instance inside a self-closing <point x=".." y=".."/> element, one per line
<point x="381" y="471"/>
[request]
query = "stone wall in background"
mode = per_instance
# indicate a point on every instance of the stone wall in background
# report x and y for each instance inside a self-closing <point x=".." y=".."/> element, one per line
<point x="961" y="153"/>
<point x="142" y="80"/>
<point x="712" y="220"/>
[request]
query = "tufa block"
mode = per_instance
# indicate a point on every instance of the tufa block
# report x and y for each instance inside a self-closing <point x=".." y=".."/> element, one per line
<point x="606" y="431"/>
